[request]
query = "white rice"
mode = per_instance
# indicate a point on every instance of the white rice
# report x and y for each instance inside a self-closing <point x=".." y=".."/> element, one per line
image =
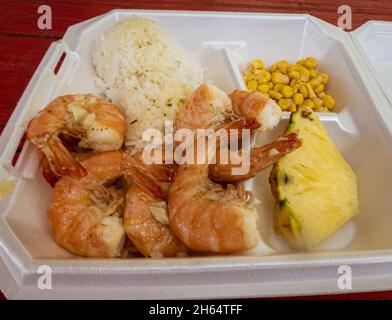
<point x="142" y="69"/>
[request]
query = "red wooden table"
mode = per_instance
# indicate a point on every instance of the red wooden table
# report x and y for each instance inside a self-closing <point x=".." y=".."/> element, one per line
<point x="23" y="44"/>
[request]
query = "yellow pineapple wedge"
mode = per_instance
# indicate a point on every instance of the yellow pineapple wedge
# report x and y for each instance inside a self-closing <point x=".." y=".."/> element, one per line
<point x="315" y="188"/>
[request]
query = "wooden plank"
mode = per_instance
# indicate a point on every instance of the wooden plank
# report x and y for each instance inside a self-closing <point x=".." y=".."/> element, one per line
<point x="73" y="11"/>
<point x="19" y="58"/>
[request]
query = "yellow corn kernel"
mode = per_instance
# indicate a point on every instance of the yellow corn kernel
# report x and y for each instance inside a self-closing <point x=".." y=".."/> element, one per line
<point x="266" y="75"/>
<point x="293" y="108"/>
<point x="282" y="66"/>
<point x="300" y="62"/>
<point x="293" y="67"/>
<point x="319" y="88"/>
<point x="260" y="79"/>
<point x="257" y="71"/>
<point x="305" y="75"/>
<point x="308" y="103"/>
<point x="284" y="104"/>
<point x="283" y="70"/>
<point x="287" y="91"/>
<point x="318" y="103"/>
<point x="293" y="82"/>
<point x="252" y="77"/>
<point x="294" y="74"/>
<point x="263" y="88"/>
<point x="316" y="81"/>
<point x="257" y="64"/>
<point x="278" y="77"/>
<point x="266" y="94"/>
<point x="295" y="87"/>
<point x="274" y="94"/>
<point x="325" y="77"/>
<point x="271" y="85"/>
<point x="273" y="68"/>
<point x="310" y="62"/>
<point x="278" y="87"/>
<point x="301" y="68"/>
<point x="303" y="90"/>
<point x="257" y="76"/>
<point x="252" y="85"/>
<point x="329" y="102"/>
<point x="321" y="94"/>
<point x="311" y="93"/>
<point x="314" y="73"/>
<point x="298" y="99"/>
<point x="282" y="63"/>
<point x="247" y="73"/>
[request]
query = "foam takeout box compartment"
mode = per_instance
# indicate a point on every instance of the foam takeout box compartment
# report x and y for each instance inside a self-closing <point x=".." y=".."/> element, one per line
<point x="360" y="66"/>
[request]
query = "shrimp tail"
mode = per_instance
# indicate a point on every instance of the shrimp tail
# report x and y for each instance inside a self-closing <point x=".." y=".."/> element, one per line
<point x="147" y="177"/>
<point x="50" y="177"/>
<point x="260" y="159"/>
<point x="265" y="156"/>
<point x="60" y="159"/>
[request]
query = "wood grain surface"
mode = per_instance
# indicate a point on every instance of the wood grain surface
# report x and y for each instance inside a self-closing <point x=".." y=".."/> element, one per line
<point x="23" y="44"/>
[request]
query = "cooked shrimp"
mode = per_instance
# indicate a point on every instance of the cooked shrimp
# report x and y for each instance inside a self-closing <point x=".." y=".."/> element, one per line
<point x="98" y="125"/>
<point x="146" y="224"/>
<point x="86" y="213"/>
<point x="145" y="214"/>
<point x="208" y="217"/>
<point x="207" y="107"/>
<point x="259" y="159"/>
<point x="256" y="105"/>
<point x="210" y="108"/>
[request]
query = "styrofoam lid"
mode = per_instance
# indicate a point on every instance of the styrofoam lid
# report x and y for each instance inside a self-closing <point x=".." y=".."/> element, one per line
<point x="374" y="40"/>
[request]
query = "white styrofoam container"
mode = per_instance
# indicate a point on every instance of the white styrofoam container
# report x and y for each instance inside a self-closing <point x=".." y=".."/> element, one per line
<point x="374" y="40"/>
<point x="224" y="43"/>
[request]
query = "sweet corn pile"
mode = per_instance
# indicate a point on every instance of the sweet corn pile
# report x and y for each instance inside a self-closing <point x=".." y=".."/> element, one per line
<point x="291" y="86"/>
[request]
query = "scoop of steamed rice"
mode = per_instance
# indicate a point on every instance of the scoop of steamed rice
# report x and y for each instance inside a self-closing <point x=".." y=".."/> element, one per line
<point x="142" y="69"/>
